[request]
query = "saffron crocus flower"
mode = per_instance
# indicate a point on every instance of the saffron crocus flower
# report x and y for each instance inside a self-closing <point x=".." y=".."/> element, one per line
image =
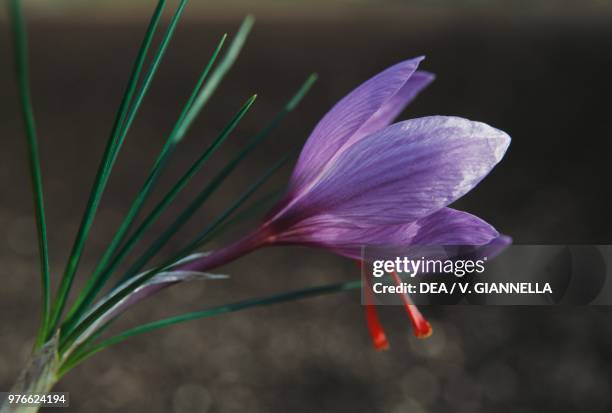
<point x="361" y="180"/>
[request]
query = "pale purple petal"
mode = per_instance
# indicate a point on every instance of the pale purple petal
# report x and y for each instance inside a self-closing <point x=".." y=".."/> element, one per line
<point x="405" y="172"/>
<point x="350" y="114"/>
<point x="397" y="103"/>
<point x="452" y="227"/>
<point x="495" y="247"/>
<point x="444" y="227"/>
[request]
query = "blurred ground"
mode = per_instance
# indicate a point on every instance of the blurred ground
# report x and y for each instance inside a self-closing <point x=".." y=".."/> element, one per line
<point x="545" y="81"/>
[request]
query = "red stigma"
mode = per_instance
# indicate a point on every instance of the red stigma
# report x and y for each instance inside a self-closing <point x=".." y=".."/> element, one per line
<point x="379" y="338"/>
<point x="422" y="328"/>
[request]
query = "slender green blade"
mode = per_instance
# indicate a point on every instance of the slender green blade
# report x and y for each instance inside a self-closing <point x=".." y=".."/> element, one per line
<point x="110" y="154"/>
<point x="215" y="79"/>
<point x="82" y="348"/>
<point x="85" y="298"/>
<point x="211" y="312"/>
<point x="181" y="128"/>
<point x="21" y="69"/>
<point x="157" y="58"/>
<point x="163" y="204"/>
<point x="70" y="336"/>
<point x="216" y="182"/>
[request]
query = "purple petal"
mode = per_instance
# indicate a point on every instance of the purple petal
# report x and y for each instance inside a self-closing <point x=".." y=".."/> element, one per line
<point x="444" y="227"/>
<point x="452" y="227"/>
<point x="495" y="247"/>
<point x="397" y="103"/>
<point x="405" y="172"/>
<point x="345" y="120"/>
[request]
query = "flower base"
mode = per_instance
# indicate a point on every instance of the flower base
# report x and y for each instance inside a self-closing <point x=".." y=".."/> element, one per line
<point x="38" y="377"/>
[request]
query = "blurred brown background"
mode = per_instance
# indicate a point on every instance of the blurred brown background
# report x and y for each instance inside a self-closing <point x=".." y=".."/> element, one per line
<point x="537" y="69"/>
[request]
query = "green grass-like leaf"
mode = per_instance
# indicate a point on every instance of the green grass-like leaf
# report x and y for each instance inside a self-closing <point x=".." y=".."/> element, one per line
<point x="224" y="65"/>
<point x="191" y="110"/>
<point x="70" y="336"/>
<point x="110" y="154"/>
<point x="21" y="69"/>
<point x="161" y="207"/>
<point x="84" y="299"/>
<point x="157" y="58"/>
<point x="86" y="352"/>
